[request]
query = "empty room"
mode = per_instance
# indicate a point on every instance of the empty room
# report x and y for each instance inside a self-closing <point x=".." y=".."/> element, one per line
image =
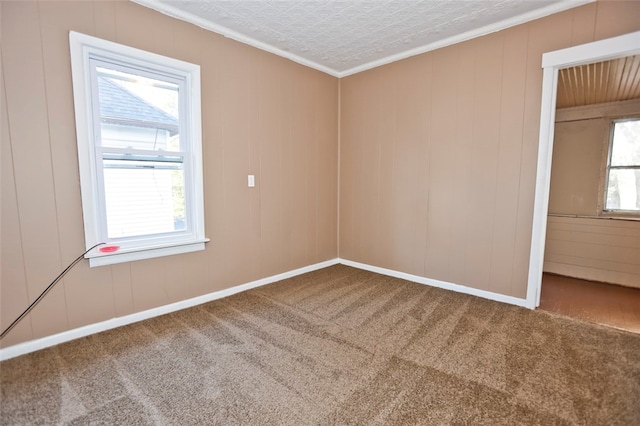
<point x="317" y="212"/>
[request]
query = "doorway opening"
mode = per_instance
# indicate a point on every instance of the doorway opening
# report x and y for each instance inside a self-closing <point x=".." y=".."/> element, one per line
<point x="552" y="62"/>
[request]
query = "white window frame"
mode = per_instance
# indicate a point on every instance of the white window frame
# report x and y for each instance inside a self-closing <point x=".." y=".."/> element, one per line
<point x="83" y="50"/>
<point x="605" y="177"/>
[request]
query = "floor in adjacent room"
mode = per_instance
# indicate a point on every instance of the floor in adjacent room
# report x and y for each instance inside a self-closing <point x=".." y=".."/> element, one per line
<point x="605" y="304"/>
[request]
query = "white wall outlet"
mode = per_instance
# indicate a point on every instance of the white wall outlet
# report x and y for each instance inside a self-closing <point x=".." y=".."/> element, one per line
<point x="251" y="181"/>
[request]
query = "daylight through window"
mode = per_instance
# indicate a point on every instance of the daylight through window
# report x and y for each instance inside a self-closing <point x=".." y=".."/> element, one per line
<point x="138" y="121"/>
<point x="623" y="168"/>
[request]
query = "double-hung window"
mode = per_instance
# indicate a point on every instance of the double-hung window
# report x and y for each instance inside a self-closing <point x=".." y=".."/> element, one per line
<point x="139" y="151"/>
<point x="622" y="189"/>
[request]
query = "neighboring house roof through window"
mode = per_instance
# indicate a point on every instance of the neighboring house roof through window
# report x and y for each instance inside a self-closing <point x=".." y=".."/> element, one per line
<point x="119" y="106"/>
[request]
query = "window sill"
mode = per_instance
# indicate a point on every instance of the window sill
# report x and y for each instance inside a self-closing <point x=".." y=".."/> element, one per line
<point x="123" y="255"/>
<point x="630" y="218"/>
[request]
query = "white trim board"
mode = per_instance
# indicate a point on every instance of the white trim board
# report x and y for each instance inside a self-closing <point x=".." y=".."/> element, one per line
<point x="437" y="283"/>
<point x="468" y="35"/>
<point x="66" y="336"/>
<point x="597" y="51"/>
<point x="76" y="333"/>
<point x="177" y="13"/>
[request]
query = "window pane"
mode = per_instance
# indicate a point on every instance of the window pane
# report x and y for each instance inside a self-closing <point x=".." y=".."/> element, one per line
<point x="626" y="143"/>
<point x="623" y="192"/>
<point x="143" y="200"/>
<point x="137" y="112"/>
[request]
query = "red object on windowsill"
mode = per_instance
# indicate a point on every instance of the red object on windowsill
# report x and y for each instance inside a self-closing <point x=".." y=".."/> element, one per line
<point x="109" y="249"/>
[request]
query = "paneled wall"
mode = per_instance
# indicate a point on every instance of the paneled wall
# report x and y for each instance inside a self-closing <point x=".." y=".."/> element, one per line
<point x="438" y="152"/>
<point x="262" y="115"/>
<point x="437" y="160"/>
<point x="580" y="153"/>
<point x="580" y="149"/>
<point x="581" y="242"/>
<point x="594" y="249"/>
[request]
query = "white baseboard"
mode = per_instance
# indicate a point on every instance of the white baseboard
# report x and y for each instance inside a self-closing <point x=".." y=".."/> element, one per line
<point x="436" y="283"/>
<point x="76" y="333"/>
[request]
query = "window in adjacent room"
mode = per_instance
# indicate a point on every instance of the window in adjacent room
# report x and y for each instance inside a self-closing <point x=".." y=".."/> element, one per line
<point x="622" y="189"/>
<point x="139" y="150"/>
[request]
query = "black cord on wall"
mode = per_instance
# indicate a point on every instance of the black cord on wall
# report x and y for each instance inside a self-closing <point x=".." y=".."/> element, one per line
<point x="46" y="290"/>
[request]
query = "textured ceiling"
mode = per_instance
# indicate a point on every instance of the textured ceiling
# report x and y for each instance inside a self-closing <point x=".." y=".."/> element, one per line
<point x="341" y="37"/>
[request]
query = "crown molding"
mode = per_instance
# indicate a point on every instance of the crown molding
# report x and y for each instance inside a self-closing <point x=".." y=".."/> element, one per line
<point x="242" y="38"/>
<point x="229" y="33"/>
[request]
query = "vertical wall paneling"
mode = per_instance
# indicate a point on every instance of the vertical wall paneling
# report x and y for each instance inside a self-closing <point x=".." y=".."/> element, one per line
<point x="87" y="293"/>
<point x="369" y="169"/>
<point x="348" y="121"/>
<point x="442" y="164"/>
<point x="298" y="128"/>
<point x="583" y="24"/>
<point x="460" y="211"/>
<point x="285" y="184"/>
<point x="419" y="203"/>
<point x="122" y="294"/>
<point x="270" y="98"/>
<point x="187" y="42"/>
<point x="484" y="164"/>
<point x="361" y="128"/>
<point x="615" y="18"/>
<point x="149" y="284"/>
<point x="327" y="166"/>
<point x="544" y="35"/>
<point x="437" y="172"/>
<point x="13" y="294"/>
<point x="352" y="121"/>
<point x="134" y="26"/>
<point x="480" y="154"/>
<point x="412" y="106"/>
<point x="385" y="223"/>
<point x="174" y="273"/>
<point x="104" y="20"/>
<point x="509" y="155"/>
<point x="312" y="178"/>
<point x="255" y="134"/>
<point x="213" y="145"/>
<point x="235" y="138"/>
<point x="183" y="44"/>
<point x="250" y="100"/>
<point x="28" y="120"/>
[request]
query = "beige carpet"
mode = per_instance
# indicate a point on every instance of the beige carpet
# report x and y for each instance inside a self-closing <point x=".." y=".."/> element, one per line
<point x="335" y="346"/>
